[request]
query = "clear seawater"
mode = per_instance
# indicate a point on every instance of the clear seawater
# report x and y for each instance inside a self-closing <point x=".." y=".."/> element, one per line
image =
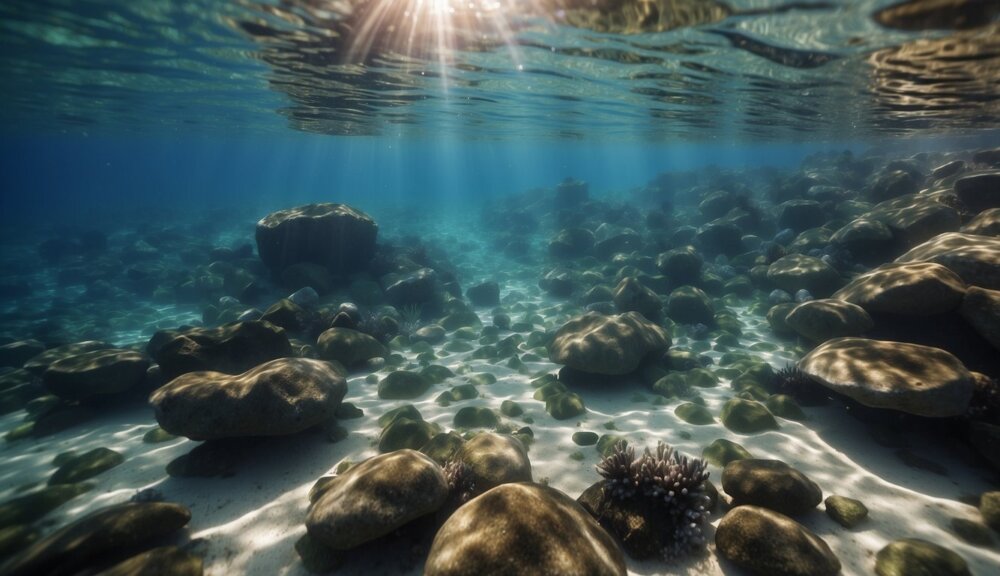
<point x="177" y="125"/>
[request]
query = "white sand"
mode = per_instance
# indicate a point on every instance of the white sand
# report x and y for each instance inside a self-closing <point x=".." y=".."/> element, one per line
<point x="250" y="522"/>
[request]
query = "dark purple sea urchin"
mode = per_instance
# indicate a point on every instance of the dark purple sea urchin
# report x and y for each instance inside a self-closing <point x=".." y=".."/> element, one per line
<point x="671" y="485"/>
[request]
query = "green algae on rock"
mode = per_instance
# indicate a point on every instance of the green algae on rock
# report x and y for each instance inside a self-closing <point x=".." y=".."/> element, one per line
<point x="910" y="556"/>
<point x="847" y="512"/>
<point x="763" y="541"/>
<point x="86" y="465"/>
<point x="721" y="452"/>
<point x="747" y="416"/>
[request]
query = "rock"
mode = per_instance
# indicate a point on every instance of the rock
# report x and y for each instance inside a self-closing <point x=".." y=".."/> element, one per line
<point x="715" y="204"/>
<point x="989" y="509"/>
<point x="771" y="484"/>
<point x="336" y="236"/>
<point x="495" y="459"/>
<point x="611" y="345"/>
<point x="376" y="497"/>
<point x="349" y="347"/>
<point x="40" y="363"/>
<point x="972" y="532"/>
<point x="413" y="289"/>
<point x="84" y="466"/>
<point x="893" y="184"/>
<point x="747" y="416"/>
<point x="402" y="385"/>
<point x="522" y="529"/>
<point x="107" y="534"/>
<point x="801" y="215"/>
<point x="565" y="405"/>
<point x="621" y="241"/>
<point x="916" y="218"/>
<point x="431" y="333"/>
<point x="680" y="265"/>
<point x="15" y="354"/>
<point x="33" y="506"/>
<point x="475" y="417"/>
<point x="821" y="320"/>
<point x="305" y="297"/>
<point x="689" y="305"/>
<point x="911" y="556"/>
<point x="100" y="372"/>
<point x="988" y="156"/>
<point x="279" y="397"/>
<point x="765" y="542"/>
<point x="720" y="238"/>
<point x="694" y="414"/>
<point x="777" y="315"/>
<point x="231" y="348"/>
<point x="721" y="452"/>
<point x="585" y="438"/>
<point x="571" y="243"/>
<point x="847" y="512"/>
<point x="286" y="314"/>
<point x="162" y="561"/>
<point x="443" y="446"/>
<point x="979" y="191"/>
<point x="986" y="223"/>
<point x="895" y="375"/>
<point x="16" y="538"/>
<point x="795" y="272"/>
<point x="862" y="235"/>
<point x="976" y="259"/>
<point x="405" y="432"/>
<point x="631" y="296"/>
<point x="981" y="309"/>
<point x="912" y="289"/>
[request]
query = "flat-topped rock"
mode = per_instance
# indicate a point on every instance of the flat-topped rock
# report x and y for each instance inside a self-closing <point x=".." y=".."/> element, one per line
<point x="279" y="397"/>
<point x="336" y="236"/>
<point x="912" y="289"/>
<point x="797" y="272"/>
<point x="895" y="375"/>
<point x="231" y="348"/>
<point x="611" y="345"/>
<point x="820" y="320"/>
<point x="100" y="372"/>
<point x="976" y="259"/>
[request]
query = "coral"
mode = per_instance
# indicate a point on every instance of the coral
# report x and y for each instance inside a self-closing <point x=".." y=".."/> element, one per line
<point x="670" y="485"/>
<point x="461" y="483"/>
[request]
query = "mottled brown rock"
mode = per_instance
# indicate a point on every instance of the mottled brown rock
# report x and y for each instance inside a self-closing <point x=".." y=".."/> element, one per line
<point x="820" y="320"/>
<point x="279" y="397"/>
<point x="976" y="259"/>
<point x="981" y="309"/>
<point x="336" y="236"/>
<point x="611" y="345"/>
<point x="911" y="289"/>
<point x="768" y="543"/>
<point x="895" y="375"/>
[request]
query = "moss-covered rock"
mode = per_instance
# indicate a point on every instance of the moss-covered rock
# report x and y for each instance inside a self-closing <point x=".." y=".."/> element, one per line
<point x="974" y="533"/>
<point x="107" y="535"/>
<point x="694" y="414"/>
<point x="405" y="411"/>
<point x="585" y="438"/>
<point x="457" y="394"/>
<point x="911" y="556"/>
<point x="28" y="508"/>
<point x="435" y="373"/>
<point x="482" y="379"/>
<point x="402" y="385"/>
<point x="443" y="447"/>
<point x="405" y="433"/>
<point x="721" y="452"/>
<point x="161" y="561"/>
<point x="747" y="417"/>
<point x="511" y="409"/>
<point x="475" y="417"/>
<point x="157" y="435"/>
<point x="607" y="442"/>
<point x="785" y="406"/>
<point x="847" y="512"/>
<point x="762" y="541"/>
<point x="86" y="465"/>
<point x="15" y="538"/>
<point x="565" y="406"/>
<point x="989" y="509"/>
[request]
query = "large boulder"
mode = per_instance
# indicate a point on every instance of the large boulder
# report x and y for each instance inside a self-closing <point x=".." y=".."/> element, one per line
<point x="895" y="375"/>
<point x="976" y="259"/>
<point x="986" y="223"/>
<point x="820" y="320"/>
<point x="796" y="272"/>
<point x="349" y="347"/>
<point x="764" y="542"/>
<point x="571" y="242"/>
<point x="376" y="497"/>
<point x="495" y="459"/>
<point x="414" y="288"/>
<point x="96" y="373"/>
<point x="231" y="348"/>
<point x="680" y="265"/>
<point x="801" y="215"/>
<point x="520" y="530"/>
<point x="981" y="309"/>
<point x="912" y="289"/>
<point x="336" y="236"/>
<point x="771" y="484"/>
<point x="612" y="345"/>
<point x="109" y="534"/>
<point x="279" y="397"/>
<point x="15" y="354"/>
<point x="916" y="218"/>
<point x="914" y="556"/>
<point x="40" y="363"/>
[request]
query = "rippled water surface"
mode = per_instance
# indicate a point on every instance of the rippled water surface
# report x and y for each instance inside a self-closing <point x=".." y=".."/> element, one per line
<point x="653" y="69"/>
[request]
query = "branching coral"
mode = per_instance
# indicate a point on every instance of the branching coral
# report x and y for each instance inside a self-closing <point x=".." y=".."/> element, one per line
<point x="672" y="486"/>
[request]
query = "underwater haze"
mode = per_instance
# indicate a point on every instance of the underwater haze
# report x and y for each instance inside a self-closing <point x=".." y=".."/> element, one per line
<point x="566" y="287"/>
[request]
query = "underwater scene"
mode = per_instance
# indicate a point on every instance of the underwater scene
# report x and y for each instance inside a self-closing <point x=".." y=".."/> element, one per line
<point x="500" y="287"/>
